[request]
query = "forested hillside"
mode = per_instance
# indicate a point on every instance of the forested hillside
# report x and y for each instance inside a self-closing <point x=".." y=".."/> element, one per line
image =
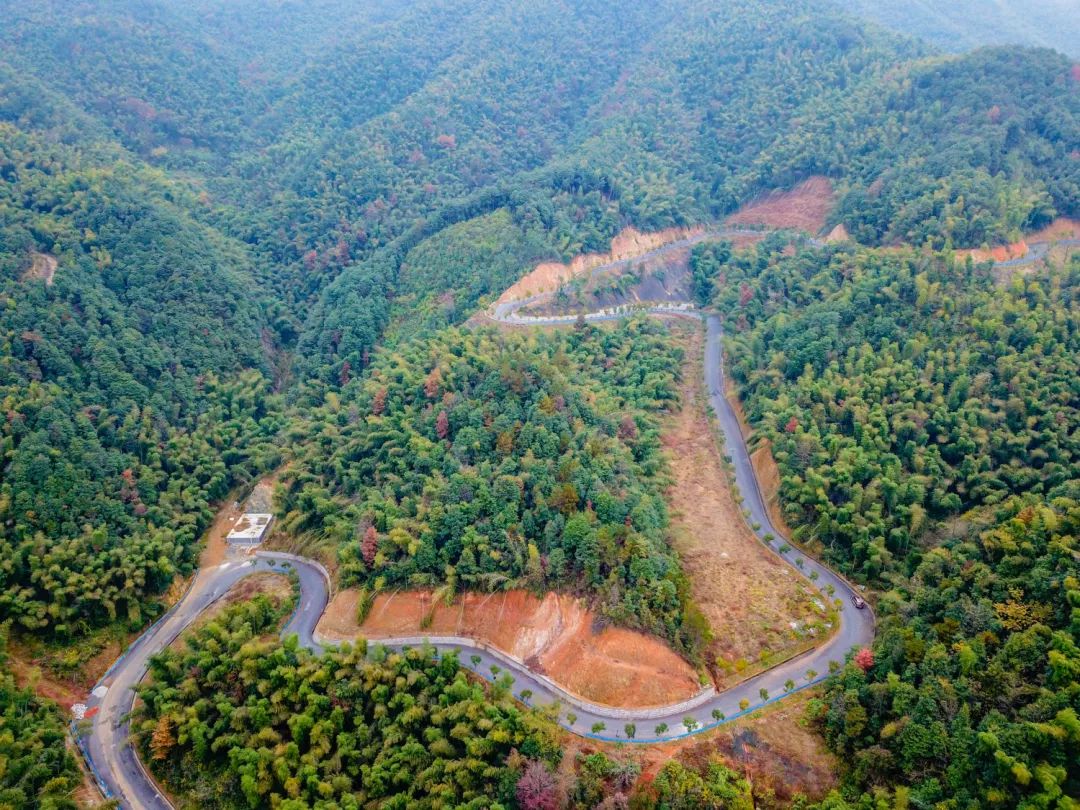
<point x="480" y="461"/>
<point x="923" y="415"/>
<point x="244" y="237"/>
<point x="132" y="378"/>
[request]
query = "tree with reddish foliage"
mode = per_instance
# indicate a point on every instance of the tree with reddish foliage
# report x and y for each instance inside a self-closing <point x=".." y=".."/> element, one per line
<point x="442" y="425"/>
<point x="792" y="425"/>
<point x="536" y="789"/>
<point x="369" y="545"/>
<point x="311" y="260"/>
<point x="745" y="294"/>
<point x="431" y="384"/>
<point x="345" y="374"/>
<point x="378" y="403"/>
<point x="864" y="659"/>
<point x="627" y="428"/>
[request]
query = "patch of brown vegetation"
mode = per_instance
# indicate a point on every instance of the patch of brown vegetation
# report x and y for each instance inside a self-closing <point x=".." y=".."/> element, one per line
<point x="805" y="207"/>
<point x="774" y="747"/>
<point x="838" y="234"/>
<point x="42" y="268"/>
<point x="548" y="276"/>
<point x="1060" y="228"/>
<point x="556" y="635"/>
<point x="30" y="676"/>
<point x="748" y="595"/>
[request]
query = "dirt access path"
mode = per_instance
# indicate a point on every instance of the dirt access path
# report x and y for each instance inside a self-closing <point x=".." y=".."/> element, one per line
<point x="758" y="607"/>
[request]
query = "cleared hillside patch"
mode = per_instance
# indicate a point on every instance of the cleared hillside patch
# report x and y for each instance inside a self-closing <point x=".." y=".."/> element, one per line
<point x="555" y="635"/>
<point x="805" y="207"/>
<point x="758" y="607"/>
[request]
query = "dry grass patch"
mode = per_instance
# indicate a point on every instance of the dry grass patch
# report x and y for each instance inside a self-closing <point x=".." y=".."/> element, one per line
<point x="805" y="207"/>
<point x="750" y="598"/>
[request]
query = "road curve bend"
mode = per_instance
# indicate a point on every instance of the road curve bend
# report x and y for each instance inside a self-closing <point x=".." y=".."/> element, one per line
<point x="121" y="775"/>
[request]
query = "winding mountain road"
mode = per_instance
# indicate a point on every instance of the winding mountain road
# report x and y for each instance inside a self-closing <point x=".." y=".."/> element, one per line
<point x="121" y="775"/>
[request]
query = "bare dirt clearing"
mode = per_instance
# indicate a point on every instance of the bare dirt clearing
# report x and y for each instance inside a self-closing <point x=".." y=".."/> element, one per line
<point x="757" y="606"/>
<point x="548" y="276"/>
<point x="554" y="635"/>
<point x="805" y="207"/>
<point x="42" y="268"/>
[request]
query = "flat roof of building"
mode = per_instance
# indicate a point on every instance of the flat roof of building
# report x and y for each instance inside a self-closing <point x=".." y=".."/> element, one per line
<point x="250" y="527"/>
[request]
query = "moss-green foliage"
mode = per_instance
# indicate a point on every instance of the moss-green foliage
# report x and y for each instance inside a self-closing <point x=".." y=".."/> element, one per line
<point x="238" y="721"/>
<point x="899" y="391"/>
<point x="677" y="787"/>
<point x="128" y="410"/>
<point x="946" y="152"/>
<point x="923" y="415"/>
<point x="485" y="459"/>
<point x="974" y="698"/>
<point x="39" y="771"/>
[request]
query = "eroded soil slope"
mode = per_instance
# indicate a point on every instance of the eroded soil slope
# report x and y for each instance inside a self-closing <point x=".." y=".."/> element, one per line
<point x="630" y="243"/>
<point x="555" y="635"/>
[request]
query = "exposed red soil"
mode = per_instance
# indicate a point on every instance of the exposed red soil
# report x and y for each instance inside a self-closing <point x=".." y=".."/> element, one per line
<point x="998" y="253"/>
<point x="805" y="207"/>
<point x="548" y="276"/>
<point x="43" y="685"/>
<point x="555" y="635"/>
<point x="1061" y="228"/>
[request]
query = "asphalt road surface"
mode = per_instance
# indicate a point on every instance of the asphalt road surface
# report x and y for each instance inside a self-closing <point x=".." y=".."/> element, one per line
<point x="122" y="776"/>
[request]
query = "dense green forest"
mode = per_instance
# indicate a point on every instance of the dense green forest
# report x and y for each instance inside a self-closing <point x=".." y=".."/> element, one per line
<point x="923" y="413"/>
<point x="39" y="770"/>
<point x="238" y="234"/>
<point x="239" y="721"/>
<point x="132" y="378"/>
<point x="899" y="392"/>
<point x="973" y="699"/>
<point x="478" y="460"/>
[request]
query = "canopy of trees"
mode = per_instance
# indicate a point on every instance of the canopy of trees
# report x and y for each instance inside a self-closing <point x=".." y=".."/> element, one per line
<point x="480" y="460"/>
<point x="39" y="771"/>
<point x="923" y="414"/>
<point x="900" y="391"/>
<point x="973" y="695"/>
<point x="124" y="334"/>
<point x="240" y="721"/>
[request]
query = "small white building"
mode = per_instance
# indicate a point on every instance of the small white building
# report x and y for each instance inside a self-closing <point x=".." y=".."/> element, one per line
<point x="250" y="529"/>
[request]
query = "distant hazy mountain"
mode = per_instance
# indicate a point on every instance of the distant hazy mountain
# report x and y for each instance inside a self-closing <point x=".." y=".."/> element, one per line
<point x="957" y="25"/>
